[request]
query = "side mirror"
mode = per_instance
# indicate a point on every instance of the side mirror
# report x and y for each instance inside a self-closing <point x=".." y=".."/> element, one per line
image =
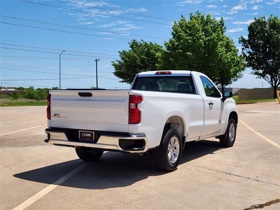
<point x="226" y="94"/>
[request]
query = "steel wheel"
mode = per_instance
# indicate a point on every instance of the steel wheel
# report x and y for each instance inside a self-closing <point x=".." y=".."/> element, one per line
<point x="231" y="132"/>
<point x="228" y="139"/>
<point x="173" y="149"/>
<point x="169" y="153"/>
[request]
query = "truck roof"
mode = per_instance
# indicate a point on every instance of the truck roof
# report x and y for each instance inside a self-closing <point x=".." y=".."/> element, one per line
<point x="166" y="73"/>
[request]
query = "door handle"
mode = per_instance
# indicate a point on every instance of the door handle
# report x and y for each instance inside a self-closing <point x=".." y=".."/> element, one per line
<point x="85" y="94"/>
<point x="210" y="103"/>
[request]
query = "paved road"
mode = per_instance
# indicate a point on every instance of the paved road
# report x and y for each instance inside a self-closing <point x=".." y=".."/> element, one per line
<point x="35" y="175"/>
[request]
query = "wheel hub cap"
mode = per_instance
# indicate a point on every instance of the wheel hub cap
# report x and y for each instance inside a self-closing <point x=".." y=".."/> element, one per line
<point x="173" y="150"/>
<point x="231" y="132"/>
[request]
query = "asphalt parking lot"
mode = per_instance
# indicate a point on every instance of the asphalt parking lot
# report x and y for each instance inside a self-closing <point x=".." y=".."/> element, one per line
<point x="35" y="175"/>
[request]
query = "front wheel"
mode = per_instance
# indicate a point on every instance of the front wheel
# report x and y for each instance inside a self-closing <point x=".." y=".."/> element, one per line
<point x="169" y="153"/>
<point x="228" y="139"/>
<point x="88" y="154"/>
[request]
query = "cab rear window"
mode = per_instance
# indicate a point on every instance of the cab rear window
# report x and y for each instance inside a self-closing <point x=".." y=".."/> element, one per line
<point x="165" y="84"/>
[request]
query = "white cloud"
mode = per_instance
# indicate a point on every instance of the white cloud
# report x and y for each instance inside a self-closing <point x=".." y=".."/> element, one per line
<point x="127" y="27"/>
<point x="273" y="2"/>
<point x="121" y="27"/>
<point x="243" y="22"/>
<point x="101" y="8"/>
<point x="255" y="1"/>
<point x="212" y="6"/>
<point x="140" y="10"/>
<point x="256" y="7"/>
<point x="237" y="8"/>
<point x="234" y="30"/>
<point x="124" y="26"/>
<point x="109" y="25"/>
<point x="87" y="4"/>
<point x="100" y="12"/>
<point x="106" y="33"/>
<point x="183" y="3"/>
<point x="87" y="23"/>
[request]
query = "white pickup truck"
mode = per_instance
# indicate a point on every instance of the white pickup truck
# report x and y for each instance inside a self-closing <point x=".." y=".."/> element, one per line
<point x="161" y="111"/>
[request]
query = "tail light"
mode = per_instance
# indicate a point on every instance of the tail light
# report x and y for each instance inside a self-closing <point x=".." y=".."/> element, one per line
<point x="134" y="112"/>
<point x="49" y="107"/>
<point x="163" y="72"/>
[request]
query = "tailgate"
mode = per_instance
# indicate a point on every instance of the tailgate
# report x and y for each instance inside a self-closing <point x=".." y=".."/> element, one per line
<point x="103" y="110"/>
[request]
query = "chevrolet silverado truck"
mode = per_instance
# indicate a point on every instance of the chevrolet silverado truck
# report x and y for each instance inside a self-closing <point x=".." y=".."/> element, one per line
<point x="160" y="113"/>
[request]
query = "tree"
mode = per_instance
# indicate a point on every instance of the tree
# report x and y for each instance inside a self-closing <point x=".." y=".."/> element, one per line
<point x="142" y="56"/>
<point x="37" y="94"/>
<point x="200" y="44"/>
<point x="262" y="49"/>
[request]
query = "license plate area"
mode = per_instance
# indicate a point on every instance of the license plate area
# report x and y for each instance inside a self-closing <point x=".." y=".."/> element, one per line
<point x="86" y="135"/>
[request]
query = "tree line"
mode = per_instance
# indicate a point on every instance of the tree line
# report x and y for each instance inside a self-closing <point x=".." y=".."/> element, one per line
<point x="200" y="44"/>
<point x="29" y="93"/>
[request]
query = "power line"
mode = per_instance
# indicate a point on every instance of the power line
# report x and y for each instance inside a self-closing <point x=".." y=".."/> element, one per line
<point x="69" y="78"/>
<point x="33" y="57"/>
<point x="13" y="69"/>
<point x="56" y="30"/>
<point x="41" y="51"/>
<point x="32" y="67"/>
<point x="77" y="27"/>
<point x="36" y="79"/>
<point x="57" y="49"/>
<point x="44" y="72"/>
<point x="10" y="48"/>
<point x="119" y="17"/>
<point x="50" y="58"/>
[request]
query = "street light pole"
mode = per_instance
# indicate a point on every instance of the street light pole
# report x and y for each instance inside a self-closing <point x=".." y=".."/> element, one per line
<point x="96" y="60"/>
<point x="59" y="58"/>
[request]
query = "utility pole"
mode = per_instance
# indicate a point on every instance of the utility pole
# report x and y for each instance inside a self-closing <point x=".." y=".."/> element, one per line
<point x="59" y="58"/>
<point x="96" y="60"/>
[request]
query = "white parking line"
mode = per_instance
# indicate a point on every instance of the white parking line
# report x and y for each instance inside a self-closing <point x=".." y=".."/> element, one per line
<point x="20" y="130"/>
<point x="260" y="135"/>
<point x="49" y="188"/>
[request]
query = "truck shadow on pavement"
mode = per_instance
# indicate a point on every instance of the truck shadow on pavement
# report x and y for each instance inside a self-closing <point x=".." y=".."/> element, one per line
<point x="114" y="169"/>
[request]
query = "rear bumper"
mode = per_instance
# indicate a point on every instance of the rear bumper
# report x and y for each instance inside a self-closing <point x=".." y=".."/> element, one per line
<point x="114" y="142"/>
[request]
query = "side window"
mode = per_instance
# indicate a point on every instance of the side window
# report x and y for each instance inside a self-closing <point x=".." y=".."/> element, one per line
<point x="210" y="89"/>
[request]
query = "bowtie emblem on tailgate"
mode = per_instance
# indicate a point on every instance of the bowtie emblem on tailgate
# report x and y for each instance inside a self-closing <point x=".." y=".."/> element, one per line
<point x="57" y="115"/>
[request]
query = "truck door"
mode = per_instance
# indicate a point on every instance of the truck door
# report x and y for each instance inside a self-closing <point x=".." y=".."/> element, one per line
<point x="213" y="108"/>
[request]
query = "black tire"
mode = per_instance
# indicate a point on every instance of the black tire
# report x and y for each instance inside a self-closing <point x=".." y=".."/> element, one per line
<point x="169" y="153"/>
<point x="88" y="154"/>
<point x="228" y="139"/>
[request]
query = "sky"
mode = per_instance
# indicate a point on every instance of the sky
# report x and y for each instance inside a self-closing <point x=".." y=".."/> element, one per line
<point x="80" y="35"/>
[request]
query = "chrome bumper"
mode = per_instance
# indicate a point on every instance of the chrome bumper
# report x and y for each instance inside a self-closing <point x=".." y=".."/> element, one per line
<point x="105" y="142"/>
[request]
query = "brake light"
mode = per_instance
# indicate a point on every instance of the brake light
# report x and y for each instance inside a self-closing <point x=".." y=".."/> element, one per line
<point x="49" y="107"/>
<point x="134" y="112"/>
<point x="163" y="72"/>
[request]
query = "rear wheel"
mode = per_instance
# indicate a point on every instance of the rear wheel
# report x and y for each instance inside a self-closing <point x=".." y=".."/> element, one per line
<point x="228" y="139"/>
<point x="169" y="153"/>
<point x="88" y="154"/>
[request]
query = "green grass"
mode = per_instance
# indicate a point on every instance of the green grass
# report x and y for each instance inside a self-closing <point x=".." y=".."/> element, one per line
<point x="251" y="101"/>
<point x="27" y="102"/>
<point x="22" y="102"/>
